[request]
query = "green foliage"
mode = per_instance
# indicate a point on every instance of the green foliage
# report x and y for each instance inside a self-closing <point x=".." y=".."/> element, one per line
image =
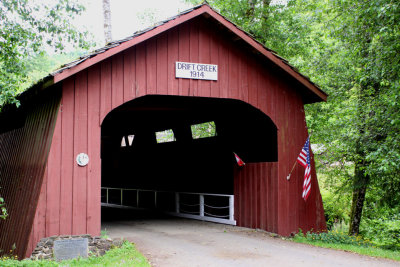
<point x="335" y="208"/>
<point x="351" y="50"/>
<point x="127" y="255"/>
<point x="3" y="210"/>
<point x="28" y="27"/>
<point x="362" y="112"/>
<point x="383" y="230"/>
<point x="335" y="237"/>
<point x="369" y="250"/>
<point x="203" y="130"/>
<point x="104" y="233"/>
<point x="40" y="65"/>
<point x="165" y="136"/>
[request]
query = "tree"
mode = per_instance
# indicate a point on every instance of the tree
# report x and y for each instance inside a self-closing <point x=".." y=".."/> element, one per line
<point x="107" y="21"/>
<point x="351" y="49"/>
<point x="39" y="65"/>
<point x="27" y="28"/>
<point x="361" y="58"/>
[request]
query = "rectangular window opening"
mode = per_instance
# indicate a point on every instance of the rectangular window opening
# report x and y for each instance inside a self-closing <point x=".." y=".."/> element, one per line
<point x="203" y="130"/>
<point x="165" y="136"/>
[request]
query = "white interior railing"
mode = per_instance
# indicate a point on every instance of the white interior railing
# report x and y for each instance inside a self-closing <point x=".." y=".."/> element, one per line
<point x="199" y="207"/>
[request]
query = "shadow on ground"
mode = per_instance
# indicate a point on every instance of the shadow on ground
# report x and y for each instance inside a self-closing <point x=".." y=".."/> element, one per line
<point x="109" y="214"/>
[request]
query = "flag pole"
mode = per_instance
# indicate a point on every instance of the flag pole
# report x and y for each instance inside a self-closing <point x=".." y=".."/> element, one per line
<point x="290" y="173"/>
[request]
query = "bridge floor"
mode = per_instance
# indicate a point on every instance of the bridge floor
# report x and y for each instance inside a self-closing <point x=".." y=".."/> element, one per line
<point x="183" y="242"/>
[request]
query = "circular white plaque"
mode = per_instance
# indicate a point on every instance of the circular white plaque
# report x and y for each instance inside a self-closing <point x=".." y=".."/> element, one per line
<point x="82" y="159"/>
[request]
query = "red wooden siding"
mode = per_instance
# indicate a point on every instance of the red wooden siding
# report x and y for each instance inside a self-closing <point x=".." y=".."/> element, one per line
<point x="76" y="189"/>
<point x="23" y="157"/>
<point x="264" y="198"/>
<point x="94" y="168"/>
<point x="204" y="11"/>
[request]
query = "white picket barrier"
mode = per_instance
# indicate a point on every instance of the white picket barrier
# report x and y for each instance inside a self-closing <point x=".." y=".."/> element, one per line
<point x="200" y="209"/>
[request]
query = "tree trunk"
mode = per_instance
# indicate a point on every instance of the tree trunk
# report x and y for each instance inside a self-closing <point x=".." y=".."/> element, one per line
<point x="361" y="179"/>
<point x="250" y="10"/>
<point x="265" y="13"/>
<point x="107" y="21"/>
<point x="266" y="3"/>
<point x="360" y="186"/>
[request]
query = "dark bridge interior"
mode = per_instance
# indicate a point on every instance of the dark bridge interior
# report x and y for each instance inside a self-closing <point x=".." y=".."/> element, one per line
<point x="134" y="157"/>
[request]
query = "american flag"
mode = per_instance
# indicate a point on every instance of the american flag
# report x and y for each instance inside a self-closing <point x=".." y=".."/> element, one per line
<point x="304" y="160"/>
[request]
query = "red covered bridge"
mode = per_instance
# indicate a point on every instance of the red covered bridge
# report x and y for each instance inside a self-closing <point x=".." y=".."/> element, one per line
<point x="131" y="109"/>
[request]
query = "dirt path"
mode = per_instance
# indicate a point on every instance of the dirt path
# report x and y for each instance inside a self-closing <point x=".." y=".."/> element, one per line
<point x="179" y="242"/>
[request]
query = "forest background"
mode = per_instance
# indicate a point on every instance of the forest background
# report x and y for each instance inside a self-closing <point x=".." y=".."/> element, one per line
<point x="351" y="49"/>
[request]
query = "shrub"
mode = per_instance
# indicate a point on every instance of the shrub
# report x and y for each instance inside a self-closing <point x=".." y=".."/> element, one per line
<point x="335" y="237"/>
<point x="335" y="209"/>
<point x="384" y="231"/>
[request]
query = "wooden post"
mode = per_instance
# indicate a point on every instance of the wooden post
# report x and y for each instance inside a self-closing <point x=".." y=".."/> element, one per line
<point x="155" y="199"/>
<point x="201" y="205"/>
<point x="177" y="202"/>
<point x="137" y="198"/>
<point x="231" y="208"/>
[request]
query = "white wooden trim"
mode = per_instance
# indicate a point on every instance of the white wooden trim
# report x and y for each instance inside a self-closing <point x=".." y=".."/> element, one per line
<point x="231" y="207"/>
<point x="201" y="205"/>
<point x="202" y="218"/>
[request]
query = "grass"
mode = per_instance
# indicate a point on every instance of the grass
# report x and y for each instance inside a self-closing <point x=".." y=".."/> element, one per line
<point x="104" y="233"/>
<point x="126" y="255"/>
<point x="363" y="248"/>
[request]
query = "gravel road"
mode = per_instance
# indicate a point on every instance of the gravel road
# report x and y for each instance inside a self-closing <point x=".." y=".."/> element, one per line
<point x="180" y="242"/>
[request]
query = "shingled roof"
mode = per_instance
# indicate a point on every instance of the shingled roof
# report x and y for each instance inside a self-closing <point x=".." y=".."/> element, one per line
<point x="115" y="47"/>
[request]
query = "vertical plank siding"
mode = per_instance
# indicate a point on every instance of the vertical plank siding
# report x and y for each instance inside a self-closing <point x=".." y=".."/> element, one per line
<point x="80" y="141"/>
<point x="23" y="157"/>
<point x="93" y="193"/>
<point x="263" y="197"/>
<point x="162" y="65"/>
<point x="67" y="157"/>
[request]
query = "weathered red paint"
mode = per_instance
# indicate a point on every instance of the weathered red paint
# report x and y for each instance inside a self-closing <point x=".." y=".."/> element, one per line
<point x="206" y="11"/>
<point x="23" y="157"/>
<point x="67" y="156"/>
<point x="79" y="185"/>
<point x="69" y="201"/>
<point x="94" y="169"/>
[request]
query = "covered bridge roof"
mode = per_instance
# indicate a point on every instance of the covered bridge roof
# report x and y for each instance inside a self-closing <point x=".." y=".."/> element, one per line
<point x="310" y="91"/>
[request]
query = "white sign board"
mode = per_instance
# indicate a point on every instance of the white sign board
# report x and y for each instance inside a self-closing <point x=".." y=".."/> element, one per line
<point x="196" y="71"/>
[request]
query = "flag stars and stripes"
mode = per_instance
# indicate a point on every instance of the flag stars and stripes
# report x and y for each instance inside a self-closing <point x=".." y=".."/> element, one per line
<point x="304" y="160"/>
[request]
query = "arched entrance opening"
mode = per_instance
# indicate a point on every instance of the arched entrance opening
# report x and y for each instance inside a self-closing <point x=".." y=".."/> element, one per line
<point x="158" y="145"/>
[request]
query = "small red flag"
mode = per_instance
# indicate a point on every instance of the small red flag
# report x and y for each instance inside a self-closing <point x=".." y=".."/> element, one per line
<point x="239" y="161"/>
